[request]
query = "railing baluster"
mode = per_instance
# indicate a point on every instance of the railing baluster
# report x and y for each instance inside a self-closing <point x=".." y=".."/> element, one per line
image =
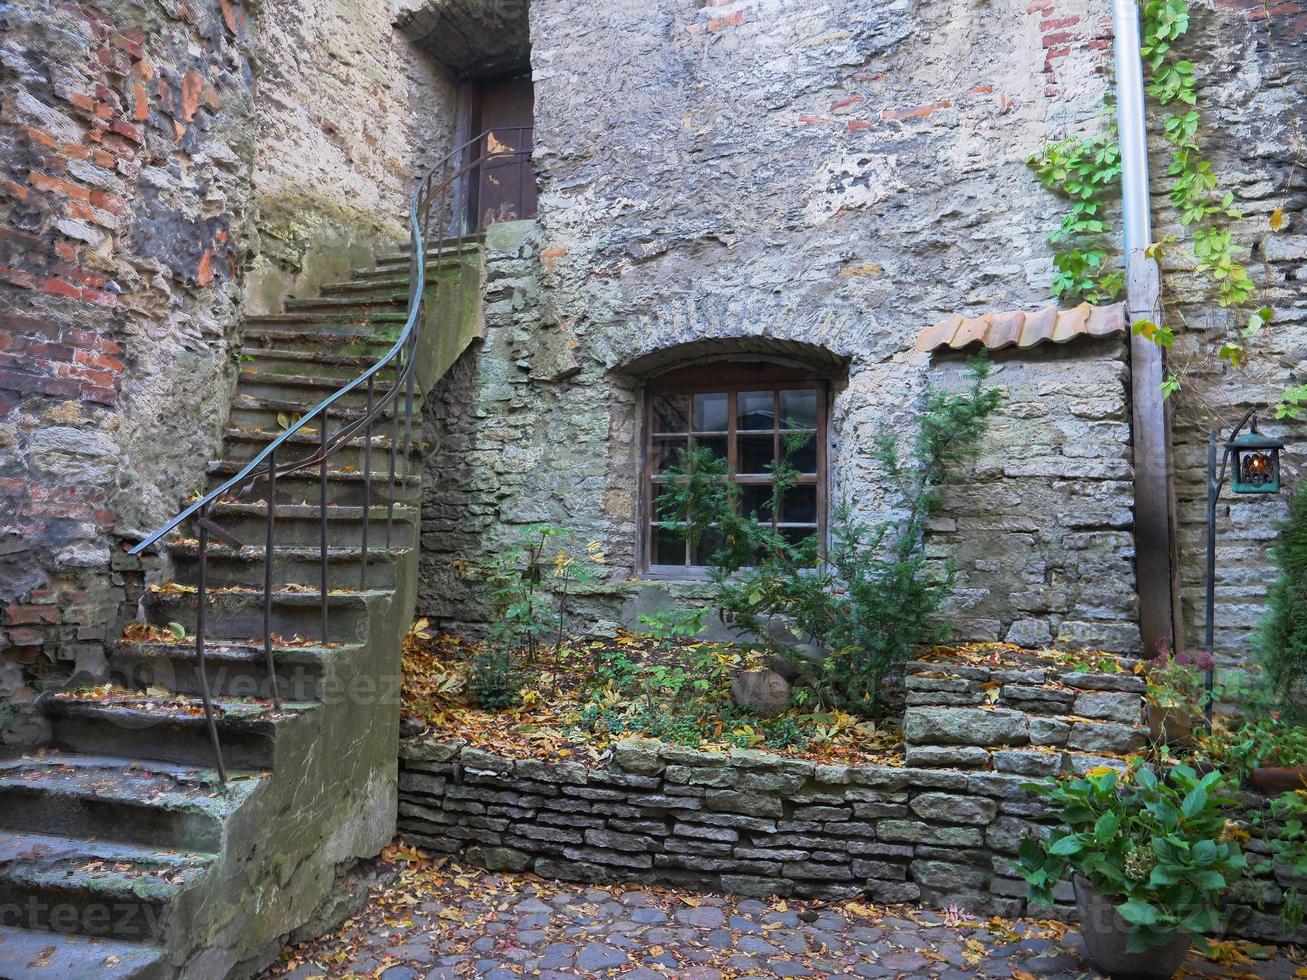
<point x="267" y="578"/>
<point x="322" y="528"/>
<point x="201" y="598"/>
<point x="394" y="444"/>
<point x="367" y="486"/>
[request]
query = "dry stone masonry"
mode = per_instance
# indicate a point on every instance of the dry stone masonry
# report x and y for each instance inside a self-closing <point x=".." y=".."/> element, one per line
<point x="941" y="828"/>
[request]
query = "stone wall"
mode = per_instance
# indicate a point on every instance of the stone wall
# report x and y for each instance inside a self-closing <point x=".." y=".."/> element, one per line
<point x="696" y="184"/>
<point x="349" y="113"/>
<point x="137" y="145"/>
<point x="942" y="829"/>
<point x="1252" y="69"/>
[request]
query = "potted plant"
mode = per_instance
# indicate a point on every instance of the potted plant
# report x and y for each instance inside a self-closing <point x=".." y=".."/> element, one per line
<point x="1177" y="691"/>
<point x="1269" y="753"/>
<point x="1151" y="856"/>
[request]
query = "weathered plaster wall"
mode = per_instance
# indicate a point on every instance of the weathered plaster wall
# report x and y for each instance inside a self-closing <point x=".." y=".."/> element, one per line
<point x="839" y="173"/>
<point x="1252" y="69"/>
<point x="348" y="114"/>
<point x="132" y="138"/>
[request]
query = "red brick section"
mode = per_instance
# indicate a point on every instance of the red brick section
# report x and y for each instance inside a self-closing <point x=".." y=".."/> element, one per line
<point x="69" y="188"/>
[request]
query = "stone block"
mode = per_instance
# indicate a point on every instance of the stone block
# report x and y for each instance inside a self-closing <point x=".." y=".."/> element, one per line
<point x="427" y="750"/>
<point x="639" y="756"/>
<point x="819" y="872"/>
<point x="752" y="886"/>
<point x="1048" y="731"/>
<point x="964" y="726"/>
<point x="879" y="870"/>
<point x="686" y="775"/>
<point x="1028" y="763"/>
<point x="944" y="808"/>
<point x="598" y="855"/>
<point x="754" y="804"/>
<point x="420" y="782"/>
<point x="1108" y="736"/>
<point x="922" y="833"/>
<point x="498" y="858"/>
<point x="705" y="832"/>
<point x="572" y="773"/>
<point x="1110" y="706"/>
<point x="946" y="756"/>
<point x="943" y="874"/>
<point x="479" y="762"/>
<point x="1128" y="683"/>
<point x="615" y="840"/>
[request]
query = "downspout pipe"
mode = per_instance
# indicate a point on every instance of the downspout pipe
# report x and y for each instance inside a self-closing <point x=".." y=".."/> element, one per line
<point x="1155" y="538"/>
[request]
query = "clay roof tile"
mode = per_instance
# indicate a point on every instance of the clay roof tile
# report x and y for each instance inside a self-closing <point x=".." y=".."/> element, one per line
<point x="996" y="330"/>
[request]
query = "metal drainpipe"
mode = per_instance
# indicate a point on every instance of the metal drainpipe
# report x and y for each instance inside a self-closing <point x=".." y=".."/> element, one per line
<point x="1155" y="539"/>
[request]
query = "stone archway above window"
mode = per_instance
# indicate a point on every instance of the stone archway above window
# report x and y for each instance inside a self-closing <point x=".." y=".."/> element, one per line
<point x="818" y="360"/>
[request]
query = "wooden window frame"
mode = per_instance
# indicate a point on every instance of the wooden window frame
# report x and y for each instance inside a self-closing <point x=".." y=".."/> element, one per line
<point x="731" y="379"/>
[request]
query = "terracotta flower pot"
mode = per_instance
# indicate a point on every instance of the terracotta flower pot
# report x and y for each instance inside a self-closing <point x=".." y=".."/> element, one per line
<point x="1105" y="934"/>
<point x="1172" y="726"/>
<point x="1273" y="780"/>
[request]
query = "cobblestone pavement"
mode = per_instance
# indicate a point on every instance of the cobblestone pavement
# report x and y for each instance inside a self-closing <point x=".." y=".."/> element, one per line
<point x="437" y="922"/>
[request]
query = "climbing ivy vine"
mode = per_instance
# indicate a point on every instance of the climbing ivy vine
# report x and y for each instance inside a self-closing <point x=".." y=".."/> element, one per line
<point x="1087" y="170"/>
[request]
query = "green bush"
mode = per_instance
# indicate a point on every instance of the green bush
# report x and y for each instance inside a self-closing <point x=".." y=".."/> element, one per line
<point x="495" y="679"/>
<point x="871" y="599"/>
<point x="1282" y="637"/>
<point x="1158" y="847"/>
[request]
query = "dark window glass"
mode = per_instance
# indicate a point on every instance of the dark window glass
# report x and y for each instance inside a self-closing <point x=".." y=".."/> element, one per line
<point x="742" y="413"/>
<point x="710" y="412"/>
<point x="756" y="410"/>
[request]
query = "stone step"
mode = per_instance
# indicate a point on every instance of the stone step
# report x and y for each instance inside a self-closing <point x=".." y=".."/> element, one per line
<point x="27" y="954"/>
<point x="358" y="310"/>
<point x="391" y="279"/>
<point x="309" y="340"/>
<point x="300" y="524"/>
<point x="236" y="670"/>
<point x="317" y="363"/>
<point x="301" y="393"/>
<point x="467" y="244"/>
<point x="244" y="444"/>
<point x="93" y="888"/>
<point x="291" y="564"/>
<point x="343" y="486"/>
<point x="173" y="728"/>
<point x="238" y="615"/>
<point x="265" y="412"/>
<point x="118" y="799"/>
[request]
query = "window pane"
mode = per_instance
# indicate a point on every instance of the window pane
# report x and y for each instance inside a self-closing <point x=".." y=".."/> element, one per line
<point x="755" y="410"/>
<point x="757" y="501"/>
<point x="717" y="444"/>
<point x="804" y="458"/>
<point x="671" y="413"/>
<point x="668" y="453"/>
<point x="799" y="409"/>
<point x="799" y="506"/>
<point x="703" y="548"/>
<point x="668" y="547"/>
<point x="710" y="412"/>
<point x="757" y="453"/>
<point x="800" y="535"/>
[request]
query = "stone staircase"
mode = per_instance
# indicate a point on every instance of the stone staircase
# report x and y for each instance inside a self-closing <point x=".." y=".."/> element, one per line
<point x="121" y="852"/>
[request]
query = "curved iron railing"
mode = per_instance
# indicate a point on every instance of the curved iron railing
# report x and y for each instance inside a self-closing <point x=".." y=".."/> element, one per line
<point x="435" y="201"/>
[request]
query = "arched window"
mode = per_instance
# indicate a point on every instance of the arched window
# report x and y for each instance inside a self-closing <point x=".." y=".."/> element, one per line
<point x="744" y="412"/>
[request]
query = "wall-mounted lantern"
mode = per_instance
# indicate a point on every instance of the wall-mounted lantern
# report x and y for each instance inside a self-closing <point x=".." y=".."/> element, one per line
<point x="1256" y="462"/>
<point x="1256" y="469"/>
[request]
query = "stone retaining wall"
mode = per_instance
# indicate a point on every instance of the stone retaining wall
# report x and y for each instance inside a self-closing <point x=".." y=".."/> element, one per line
<point x="942" y="830"/>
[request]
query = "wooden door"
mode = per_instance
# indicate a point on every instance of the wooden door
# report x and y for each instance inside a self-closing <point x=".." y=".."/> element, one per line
<point x="505" y="188"/>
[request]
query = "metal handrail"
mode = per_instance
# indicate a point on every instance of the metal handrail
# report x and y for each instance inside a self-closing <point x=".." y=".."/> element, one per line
<point x="430" y="200"/>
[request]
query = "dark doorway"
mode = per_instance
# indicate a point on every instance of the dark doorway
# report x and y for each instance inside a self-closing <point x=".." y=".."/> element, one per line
<point x="504" y="188"/>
